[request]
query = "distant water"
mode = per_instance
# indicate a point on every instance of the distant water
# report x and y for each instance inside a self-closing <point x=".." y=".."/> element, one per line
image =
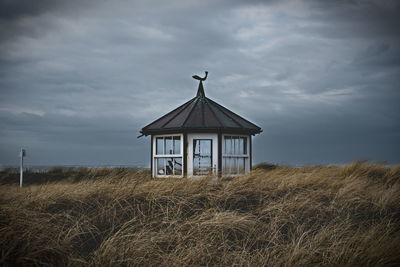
<point x="39" y="168"/>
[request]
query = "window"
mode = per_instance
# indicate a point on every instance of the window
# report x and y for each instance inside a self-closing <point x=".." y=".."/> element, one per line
<point x="168" y="156"/>
<point x="235" y="154"/>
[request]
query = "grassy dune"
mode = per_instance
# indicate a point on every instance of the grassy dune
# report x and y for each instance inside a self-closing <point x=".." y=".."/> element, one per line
<point x="281" y="216"/>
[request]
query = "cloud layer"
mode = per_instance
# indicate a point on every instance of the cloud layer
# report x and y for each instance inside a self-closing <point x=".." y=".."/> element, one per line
<point x="78" y="79"/>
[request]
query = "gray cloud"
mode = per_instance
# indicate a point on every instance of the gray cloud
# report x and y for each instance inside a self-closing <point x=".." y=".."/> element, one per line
<point x="79" y="79"/>
<point x="12" y="10"/>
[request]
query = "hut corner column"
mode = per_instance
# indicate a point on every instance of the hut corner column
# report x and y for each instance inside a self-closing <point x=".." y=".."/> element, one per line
<point x="219" y="155"/>
<point x="185" y="156"/>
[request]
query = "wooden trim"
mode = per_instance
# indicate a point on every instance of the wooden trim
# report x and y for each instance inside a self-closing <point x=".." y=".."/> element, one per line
<point x="211" y="130"/>
<point x="185" y="148"/>
<point x="151" y="157"/>
<point x="219" y="171"/>
<point x="168" y="156"/>
<point x="251" y="151"/>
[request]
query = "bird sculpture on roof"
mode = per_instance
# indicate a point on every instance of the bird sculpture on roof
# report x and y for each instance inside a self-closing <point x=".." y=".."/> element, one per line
<point x="199" y="78"/>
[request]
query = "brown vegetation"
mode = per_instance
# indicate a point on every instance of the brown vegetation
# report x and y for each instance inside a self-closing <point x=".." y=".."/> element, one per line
<point x="275" y="216"/>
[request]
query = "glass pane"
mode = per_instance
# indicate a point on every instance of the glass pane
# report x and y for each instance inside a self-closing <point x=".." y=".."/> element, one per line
<point x="236" y="151"/>
<point x="202" y="166"/>
<point x="235" y="145"/>
<point x="168" y="145"/>
<point x="196" y="165"/>
<point x="178" y="166"/>
<point x="169" y="166"/>
<point x="228" y="144"/>
<point x="227" y="165"/>
<point x="234" y="169"/>
<point x="205" y="147"/>
<point x="202" y="148"/>
<point x="241" y="148"/>
<point x="223" y="165"/>
<point x="160" y="166"/>
<point x="196" y="147"/>
<point x="234" y="165"/>
<point x="202" y="158"/>
<point x="240" y="162"/>
<point x="177" y="145"/>
<point x="225" y="145"/>
<point x="159" y="146"/>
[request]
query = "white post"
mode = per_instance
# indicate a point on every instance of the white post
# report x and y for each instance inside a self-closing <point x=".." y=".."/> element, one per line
<point x="21" y="169"/>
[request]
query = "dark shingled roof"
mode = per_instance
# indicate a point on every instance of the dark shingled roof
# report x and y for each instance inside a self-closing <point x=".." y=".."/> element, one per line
<point x="201" y="114"/>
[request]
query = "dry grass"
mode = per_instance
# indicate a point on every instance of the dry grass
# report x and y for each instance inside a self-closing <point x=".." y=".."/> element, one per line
<point x="276" y="216"/>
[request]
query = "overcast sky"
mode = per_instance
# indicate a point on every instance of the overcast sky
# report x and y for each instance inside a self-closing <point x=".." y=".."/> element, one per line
<point x="79" y="79"/>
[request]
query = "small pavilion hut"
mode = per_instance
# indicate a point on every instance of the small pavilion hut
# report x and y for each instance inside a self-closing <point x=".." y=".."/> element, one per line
<point x="200" y="138"/>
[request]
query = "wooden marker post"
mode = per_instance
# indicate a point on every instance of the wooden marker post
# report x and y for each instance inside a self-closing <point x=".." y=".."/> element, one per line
<point x="21" y="169"/>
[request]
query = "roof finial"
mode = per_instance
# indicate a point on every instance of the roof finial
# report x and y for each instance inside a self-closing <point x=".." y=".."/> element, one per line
<point x="200" y="79"/>
<point x="200" y="90"/>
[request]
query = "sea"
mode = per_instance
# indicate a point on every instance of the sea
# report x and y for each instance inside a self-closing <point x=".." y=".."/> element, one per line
<point x="42" y="168"/>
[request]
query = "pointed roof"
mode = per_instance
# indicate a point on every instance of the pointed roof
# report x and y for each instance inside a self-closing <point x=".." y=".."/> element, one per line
<point x="201" y="114"/>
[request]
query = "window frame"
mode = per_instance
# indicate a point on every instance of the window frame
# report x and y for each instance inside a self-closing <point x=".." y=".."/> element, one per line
<point x="246" y="156"/>
<point x="155" y="156"/>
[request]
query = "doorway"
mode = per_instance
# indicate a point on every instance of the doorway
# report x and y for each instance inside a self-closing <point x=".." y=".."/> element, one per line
<point x="202" y="154"/>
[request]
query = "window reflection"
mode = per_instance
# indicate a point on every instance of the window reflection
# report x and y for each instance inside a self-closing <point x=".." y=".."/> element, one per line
<point x="169" y="166"/>
<point x="160" y="166"/>
<point x="178" y="166"/>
